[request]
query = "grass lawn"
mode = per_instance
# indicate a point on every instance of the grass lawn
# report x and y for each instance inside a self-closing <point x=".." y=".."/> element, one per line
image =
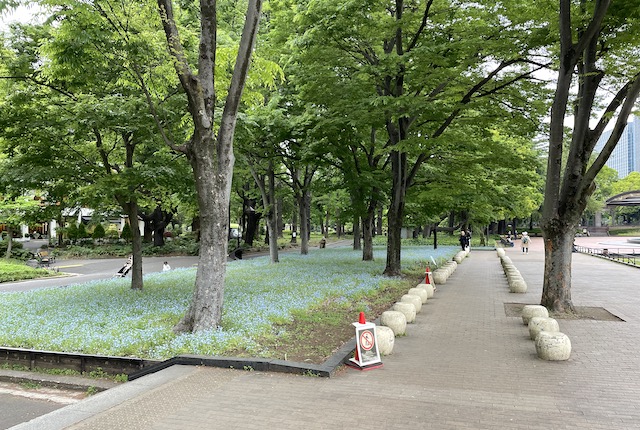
<point x="11" y="270"/>
<point x="299" y="309"/>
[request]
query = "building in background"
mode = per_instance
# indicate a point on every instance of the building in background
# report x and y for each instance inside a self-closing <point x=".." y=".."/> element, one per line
<point x="626" y="157"/>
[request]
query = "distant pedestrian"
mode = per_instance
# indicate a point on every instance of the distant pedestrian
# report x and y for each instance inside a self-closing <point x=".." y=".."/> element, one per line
<point x="463" y="240"/>
<point x="165" y="266"/>
<point x="468" y="234"/>
<point x="525" y="239"/>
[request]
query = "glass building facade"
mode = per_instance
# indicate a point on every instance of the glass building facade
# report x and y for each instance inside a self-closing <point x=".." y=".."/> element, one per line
<point x="625" y="158"/>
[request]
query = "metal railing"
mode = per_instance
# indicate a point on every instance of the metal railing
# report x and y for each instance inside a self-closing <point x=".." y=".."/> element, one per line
<point x="629" y="256"/>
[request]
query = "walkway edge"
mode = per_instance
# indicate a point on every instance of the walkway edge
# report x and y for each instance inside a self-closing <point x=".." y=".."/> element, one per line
<point x="91" y="406"/>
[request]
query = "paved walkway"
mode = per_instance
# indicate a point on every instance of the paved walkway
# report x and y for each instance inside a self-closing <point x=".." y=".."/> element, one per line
<point x="464" y="364"/>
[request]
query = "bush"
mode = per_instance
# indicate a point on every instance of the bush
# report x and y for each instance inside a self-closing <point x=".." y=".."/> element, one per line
<point x="72" y="232"/>
<point x="18" y="252"/>
<point x="126" y="233"/>
<point x="12" y="270"/>
<point x="98" y="232"/>
<point x="82" y="231"/>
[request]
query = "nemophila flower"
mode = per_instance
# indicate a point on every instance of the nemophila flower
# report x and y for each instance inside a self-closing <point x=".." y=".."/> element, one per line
<point x="107" y="317"/>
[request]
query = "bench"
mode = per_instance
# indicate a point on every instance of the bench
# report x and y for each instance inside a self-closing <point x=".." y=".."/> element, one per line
<point x="44" y="258"/>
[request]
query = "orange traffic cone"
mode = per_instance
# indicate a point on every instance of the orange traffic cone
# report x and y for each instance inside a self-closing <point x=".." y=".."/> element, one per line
<point x="426" y="275"/>
<point x="361" y="320"/>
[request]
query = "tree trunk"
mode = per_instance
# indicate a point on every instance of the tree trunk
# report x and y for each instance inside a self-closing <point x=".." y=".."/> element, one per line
<point x="131" y="209"/>
<point x="558" y="247"/>
<point x="280" y="222"/>
<point x="148" y="230"/>
<point x="367" y="234"/>
<point x="357" y="244"/>
<point x="211" y="156"/>
<point x="396" y="214"/>
<point x="213" y="188"/>
<point x="304" y="202"/>
<point x="268" y="193"/>
<point x="294" y="222"/>
<point x="252" y="218"/>
<point x="9" y="242"/>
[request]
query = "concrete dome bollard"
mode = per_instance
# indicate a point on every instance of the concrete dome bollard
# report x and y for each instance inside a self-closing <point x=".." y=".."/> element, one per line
<point x="421" y="292"/>
<point x="530" y="311"/>
<point x="512" y="273"/>
<point x="428" y="288"/>
<point x="395" y="320"/>
<point x="514" y="278"/>
<point x="553" y="346"/>
<point x="408" y="309"/>
<point x="440" y="277"/>
<point x="415" y="300"/>
<point x="517" y="286"/>
<point x="538" y="324"/>
<point x="459" y="257"/>
<point x="385" y="338"/>
<point x="500" y="252"/>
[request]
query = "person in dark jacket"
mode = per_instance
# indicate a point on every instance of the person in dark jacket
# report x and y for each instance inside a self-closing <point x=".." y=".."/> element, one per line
<point x="464" y="242"/>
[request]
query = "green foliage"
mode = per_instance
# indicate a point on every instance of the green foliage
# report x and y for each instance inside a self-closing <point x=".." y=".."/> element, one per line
<point x="82" y="231"/>
<point x="180" y="246"/>
<point x="98" y="232"/>
<point x="72" y="232"/>
<point x="13" y="270"/>
<point x="126" y="232"/>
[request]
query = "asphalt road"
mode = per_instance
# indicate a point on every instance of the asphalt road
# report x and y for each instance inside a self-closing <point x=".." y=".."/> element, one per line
<point x="81" y="271"/>
<point x="18" y="405"/>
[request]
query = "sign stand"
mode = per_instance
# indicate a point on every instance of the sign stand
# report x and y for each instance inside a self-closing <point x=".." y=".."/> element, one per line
<point x="367" y="355"/>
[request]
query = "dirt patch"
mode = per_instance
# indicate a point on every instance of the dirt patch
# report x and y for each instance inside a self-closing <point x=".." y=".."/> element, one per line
<point x="593" y="313"/>
<point x="314" y="335"/>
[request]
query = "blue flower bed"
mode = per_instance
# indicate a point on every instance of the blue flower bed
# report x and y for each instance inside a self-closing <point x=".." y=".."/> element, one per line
<point x="108" y="317"/>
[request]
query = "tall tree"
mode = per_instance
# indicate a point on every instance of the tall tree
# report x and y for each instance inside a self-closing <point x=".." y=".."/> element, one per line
<point x="209" y="151"/>
<point x="84" y="68"/>
<point x="423" y="66"/>
<point x="598" y="53"/>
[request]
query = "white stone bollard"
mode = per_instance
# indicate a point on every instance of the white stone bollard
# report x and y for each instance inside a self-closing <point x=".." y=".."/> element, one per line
<point x="538" y="324"/>
<point x="428" y="288"/>
<point x="553" y="346"/>
<point x="421" y="292"/>
<point x="408" y="309"/>
<point x="440" y="277"/>
<point x="385" y="338"/>
<point x="530" y="311"/>
<point x="415" y="300"/>
<point x="459" y="257"/>
<point x="517" y="286"/>
<point x="395" y="320"/>
<point x="500" y="252"/>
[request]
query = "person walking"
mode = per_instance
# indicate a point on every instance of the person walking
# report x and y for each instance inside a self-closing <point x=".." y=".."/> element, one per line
<point x="463" y="240"/>
<point x="525" y="239"/>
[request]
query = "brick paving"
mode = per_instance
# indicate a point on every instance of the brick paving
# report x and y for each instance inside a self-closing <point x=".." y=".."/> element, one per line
<point x="464" y="364"/>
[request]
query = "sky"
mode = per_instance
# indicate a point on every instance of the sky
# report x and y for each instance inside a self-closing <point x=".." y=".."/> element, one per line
<point x="21" y="14"/>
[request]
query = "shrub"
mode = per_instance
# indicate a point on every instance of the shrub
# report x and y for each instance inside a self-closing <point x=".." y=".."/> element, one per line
<point x="82" y="231"/>
<point x="72" y="232"/>
<point x="126" y="233"/>
<point x="98" y="232"/>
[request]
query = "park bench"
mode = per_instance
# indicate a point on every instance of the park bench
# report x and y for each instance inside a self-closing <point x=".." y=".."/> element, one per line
<point x="44" y="258"/>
